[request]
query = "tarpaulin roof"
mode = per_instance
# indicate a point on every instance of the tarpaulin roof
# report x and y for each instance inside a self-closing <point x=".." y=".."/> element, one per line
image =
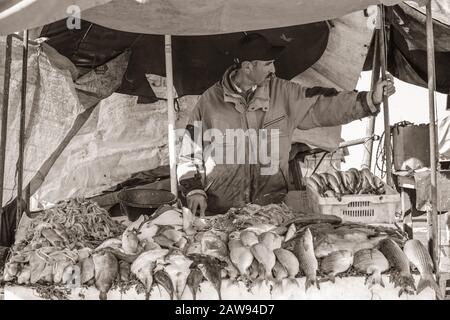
<point x="407" y="45"/>
<point x="179" y="17"/>
<point x="199" y="61"/>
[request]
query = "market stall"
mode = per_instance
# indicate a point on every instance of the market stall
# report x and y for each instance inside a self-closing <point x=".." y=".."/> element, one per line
<point x="76" y="250"/>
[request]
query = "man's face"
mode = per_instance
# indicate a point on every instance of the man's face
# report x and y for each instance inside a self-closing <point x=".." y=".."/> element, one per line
<point x="260" y="71"/>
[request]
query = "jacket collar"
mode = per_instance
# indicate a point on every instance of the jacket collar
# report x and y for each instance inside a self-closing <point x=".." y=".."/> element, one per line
<point x="260" y="99"/>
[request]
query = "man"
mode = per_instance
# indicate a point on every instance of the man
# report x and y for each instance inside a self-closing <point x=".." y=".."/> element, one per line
<point x="214" y="171"/>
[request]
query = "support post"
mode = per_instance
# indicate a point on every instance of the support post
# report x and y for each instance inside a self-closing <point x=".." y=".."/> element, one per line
<point x="171" y="116"/>
<point x="387" y="126"/>
<point x="6" y="87"/>
<point x="432" y="215"/>
<point x="22" y="128"/>
<point x="370" y="129"/>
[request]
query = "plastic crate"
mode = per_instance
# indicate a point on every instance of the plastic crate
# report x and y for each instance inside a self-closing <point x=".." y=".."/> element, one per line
<point x="362" y="208"/>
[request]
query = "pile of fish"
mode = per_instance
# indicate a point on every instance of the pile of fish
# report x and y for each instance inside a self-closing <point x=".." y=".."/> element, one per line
<point x="338" y="183"/>
<point x="332" y="250"/>
<point x="175" y="251"/>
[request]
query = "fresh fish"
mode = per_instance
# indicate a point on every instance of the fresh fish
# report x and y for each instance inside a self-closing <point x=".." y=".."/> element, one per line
<point x="338" y="178"/>
<point x="248" y="238"/>
<point x="87" y="269"/>
<point x="265" y="257"/>
<point x="178" y="270"/>
<point x="164" y="242"/>
<point x="304" y="251"/>
<point x="130" y="242"/>
<point x="319" y="181"/>
<point x="147" y="231"/>
<point x="289" y="261"/>
<point x="279" y="272"/>
<point x="37" y="264"/>
<point x="304" y="220"/>
<point x="194" y="280"/>
<point x="106" y="270"/>
<point x="336" y="263"/>
<point x="213" y="245"/>
<point x="212" y="274"/>
<point x="124" y="271"/>
<point x="143" y="267"/>
<point x="373" y="263"/>
<point x="11" y="271"/>
<point x="271" y="240"/>
<point x="110" y="243"/>
<point x="313" y="185"/>
<point x="418" y="255"/>
<point x="330" y="243"/>
<point x="334" y="184"/>
<point x="290" y="232"/>
<point x="162" y="278"/>
<point x="170" y="217"/>
<point x="399" y="261"/>
<point x="241" y="256"/>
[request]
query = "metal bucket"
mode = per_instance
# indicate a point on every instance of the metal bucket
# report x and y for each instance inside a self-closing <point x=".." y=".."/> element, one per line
<point x="137" y="201"/>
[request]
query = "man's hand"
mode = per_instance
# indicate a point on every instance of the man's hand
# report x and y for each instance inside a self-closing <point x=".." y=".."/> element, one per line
<point x="197" y="201"/>
<point x="383" y="88"/>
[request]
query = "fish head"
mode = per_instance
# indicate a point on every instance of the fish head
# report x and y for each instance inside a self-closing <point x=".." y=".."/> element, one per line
<point x="235" y="235"/>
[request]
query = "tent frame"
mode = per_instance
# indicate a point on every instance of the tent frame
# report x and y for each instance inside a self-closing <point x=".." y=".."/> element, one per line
<point x="432" y="214"/>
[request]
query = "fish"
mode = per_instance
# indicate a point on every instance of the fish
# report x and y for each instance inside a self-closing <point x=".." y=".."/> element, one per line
<point x="212" y="274"/>
<point x="178" y="270"/>
<point x="248" y="238"/>
<point x="304" y="251"/>
<point x="330" y="243"/>
<point x="338" y="178"/>
<point x="87" y="269"/>
<point x="288" y="260"/>
<point x="358" y="179"/>
<point x="240" y="256"/>
<point x="418" y="255"/>
<point x="373" y="263"/>
<point x="265" y="257"/>
<point x="37" y="264"/>
<point x="320" y="181"/>
<point x="162" y="278"/>
<point x="336" y="263"/>
<point x="147" y="231"/>
<point x="194" y="280"/>
<point x="124" y="271"/>
<point x="399" y="261"/>
<point x="334" y="184"/>
<point x="290" y="232"/>
<point x="279" y="272"/>
<point x="271" y="240"/>
<point x="213" y="245"/>
<point x="170" y="217"/>
<point x="11" y="271"/>
<point x="313" y="185"/>
<point x="110" y="243"/>
<point x="130" y="242"/>
<point x="106" y="270"/>
<point x="369" y="178"/>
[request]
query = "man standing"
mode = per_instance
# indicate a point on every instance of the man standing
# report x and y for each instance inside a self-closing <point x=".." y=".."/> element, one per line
<point x="214" y="171"/>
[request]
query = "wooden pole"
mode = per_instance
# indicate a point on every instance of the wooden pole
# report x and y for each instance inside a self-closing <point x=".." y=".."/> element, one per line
<point x="370" y="129"/>
<point x="432" y="215"/>
<point x="171" y="116"/>
<point x="387" y="126"/>
<point x="6" y="87"/>
<point x="22" y="128"/>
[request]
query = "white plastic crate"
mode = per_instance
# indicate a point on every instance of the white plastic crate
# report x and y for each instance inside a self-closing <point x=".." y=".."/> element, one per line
<point x="361" y="208"/>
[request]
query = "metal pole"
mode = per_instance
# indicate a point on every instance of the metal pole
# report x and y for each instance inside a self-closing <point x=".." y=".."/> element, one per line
<point x="6" y="86"/>
<point x="171" y="116"/>
<point x="432" y="215"/>
<point x="370" y="129"/>
<point x="387" y="126"/>
<point x="22" y="128"/>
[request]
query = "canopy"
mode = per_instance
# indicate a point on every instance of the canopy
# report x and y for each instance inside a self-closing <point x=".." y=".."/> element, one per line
<point x="179" y="17"/>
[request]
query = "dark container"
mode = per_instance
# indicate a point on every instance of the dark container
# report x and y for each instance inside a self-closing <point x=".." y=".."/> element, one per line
<point x="137" y="201"/>
<point x="411" y="145"/>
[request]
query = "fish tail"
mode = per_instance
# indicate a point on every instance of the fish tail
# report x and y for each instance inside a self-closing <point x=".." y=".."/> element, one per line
<point x="311" y="282"/>
<point x="374" y="279"/>
<point x="103" y="296"/>
<point x="428" y="281"/>
<point x="147" y="296"/>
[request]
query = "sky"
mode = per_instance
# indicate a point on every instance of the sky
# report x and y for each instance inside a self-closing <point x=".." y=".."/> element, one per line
<point x="409" y="103"/>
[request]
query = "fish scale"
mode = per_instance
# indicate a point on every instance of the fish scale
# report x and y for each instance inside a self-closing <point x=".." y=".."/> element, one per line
<point x="304" y="250"/>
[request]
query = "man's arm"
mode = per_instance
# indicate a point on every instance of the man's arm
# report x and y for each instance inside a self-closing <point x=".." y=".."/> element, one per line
<point x="190" y="166"/>
<point x="326" y="107"/>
